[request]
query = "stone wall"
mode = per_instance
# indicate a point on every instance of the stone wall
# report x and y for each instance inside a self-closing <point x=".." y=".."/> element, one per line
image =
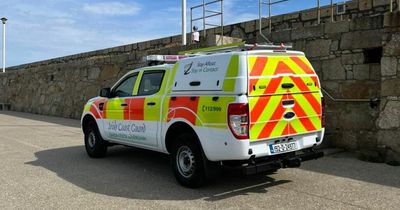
<point x="388" y="123"/>
<point x="356" y="57"/>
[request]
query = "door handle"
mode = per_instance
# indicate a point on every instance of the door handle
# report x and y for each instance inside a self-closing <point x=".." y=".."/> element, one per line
<point x="288" y="102"/>
<point x="101" y="106"/>
<point x="124" y="105"/>
<point x="151" y="103"/>
<point x="287" y="85"/>
<point x="195" y="83"/>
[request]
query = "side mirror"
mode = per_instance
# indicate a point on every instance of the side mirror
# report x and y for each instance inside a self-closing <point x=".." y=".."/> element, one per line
<point x="105" y="92"/>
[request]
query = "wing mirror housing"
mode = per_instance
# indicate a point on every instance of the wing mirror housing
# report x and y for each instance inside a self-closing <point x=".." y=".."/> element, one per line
<point x="105" y="92"/>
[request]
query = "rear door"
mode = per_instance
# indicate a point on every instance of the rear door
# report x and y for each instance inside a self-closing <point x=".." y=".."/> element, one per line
<point x="146" y="107"/>
<point x="284" y="96"/>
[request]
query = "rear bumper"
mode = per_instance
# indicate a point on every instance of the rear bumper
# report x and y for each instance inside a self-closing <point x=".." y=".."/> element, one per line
<point x="272" y="163"/>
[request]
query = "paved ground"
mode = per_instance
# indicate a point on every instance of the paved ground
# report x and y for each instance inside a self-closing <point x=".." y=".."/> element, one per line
<point x="44" y="166"/>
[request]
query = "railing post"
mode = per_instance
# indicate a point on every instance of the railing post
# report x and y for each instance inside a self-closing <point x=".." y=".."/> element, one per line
<point x="222" y="22"/>
<point x="318" y="12"/>
<point x="332" y="12"/>
<point x="191" y="24"/>
<point x="204" y="19"/>
<point x="269" y="16"/>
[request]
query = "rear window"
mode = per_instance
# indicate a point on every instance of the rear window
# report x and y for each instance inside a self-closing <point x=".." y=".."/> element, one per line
<point x="151" y="82"/>
<point x="204" y="73"/>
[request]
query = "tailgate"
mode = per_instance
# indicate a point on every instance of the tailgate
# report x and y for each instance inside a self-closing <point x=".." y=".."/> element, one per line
<point x="284" y="97"/>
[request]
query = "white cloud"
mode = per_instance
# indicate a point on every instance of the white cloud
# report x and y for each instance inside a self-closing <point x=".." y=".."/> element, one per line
<point x="112" y="8"/>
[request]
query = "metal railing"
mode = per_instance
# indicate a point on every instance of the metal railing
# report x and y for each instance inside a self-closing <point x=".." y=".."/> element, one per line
<point x="270" y="3"/>
<point x="207" y="13"/>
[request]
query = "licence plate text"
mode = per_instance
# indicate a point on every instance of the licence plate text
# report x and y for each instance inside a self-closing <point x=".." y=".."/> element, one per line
<point x="283" y="147"/>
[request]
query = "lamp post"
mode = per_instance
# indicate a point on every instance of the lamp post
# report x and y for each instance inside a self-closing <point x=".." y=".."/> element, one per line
<point x="4" y="20"/>
<point x="183" y="22"/>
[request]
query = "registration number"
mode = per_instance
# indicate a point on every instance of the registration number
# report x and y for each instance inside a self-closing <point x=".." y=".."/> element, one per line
<point x="283" y="147"/>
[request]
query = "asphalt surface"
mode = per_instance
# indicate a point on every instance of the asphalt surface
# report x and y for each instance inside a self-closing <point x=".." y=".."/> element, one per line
<point x="43" y="165"/>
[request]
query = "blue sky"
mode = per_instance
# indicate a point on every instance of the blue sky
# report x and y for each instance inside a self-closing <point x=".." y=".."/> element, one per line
<point x="44" y="29"/>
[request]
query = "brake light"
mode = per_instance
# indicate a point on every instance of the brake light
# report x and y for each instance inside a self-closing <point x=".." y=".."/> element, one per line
<point x="238" y="120"/>
<point x="323" y="112"/>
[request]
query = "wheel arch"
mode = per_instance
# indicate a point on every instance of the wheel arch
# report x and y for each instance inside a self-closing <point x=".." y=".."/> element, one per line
<point x="85" y="121"/>
<point x="176" y="128"/>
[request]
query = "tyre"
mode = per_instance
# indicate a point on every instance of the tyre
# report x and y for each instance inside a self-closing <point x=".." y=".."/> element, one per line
<point x="187" y="161"/>
<point x="95" y="146"/>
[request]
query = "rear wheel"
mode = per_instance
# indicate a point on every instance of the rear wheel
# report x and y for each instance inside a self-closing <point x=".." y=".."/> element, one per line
<point x="187" y="161"/>
<point x="95" y="146"/>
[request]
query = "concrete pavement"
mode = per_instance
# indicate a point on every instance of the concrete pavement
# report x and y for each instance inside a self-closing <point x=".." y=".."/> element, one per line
<point x="44" y="166"/>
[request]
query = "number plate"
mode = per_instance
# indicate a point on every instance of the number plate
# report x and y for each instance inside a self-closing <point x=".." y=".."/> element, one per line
<point x="284" y="147"/>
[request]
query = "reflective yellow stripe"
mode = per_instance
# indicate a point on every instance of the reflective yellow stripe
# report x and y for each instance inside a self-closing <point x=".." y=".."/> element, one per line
<point x="233" y="68"/>
<point x="269" y="109"/>
<point x="171" y="80"/>
<point x="165" y="108"/>
<point x="278" y="129"/>
<point x="273" y="61"/>
<point x="270" y="68"/>
<point x="251" y="62"/>
<point x="292" y="65"/>
<point x="260" y="83"/>
<point x="213" y="112"/>
<point x="87" y="106"/>
<point x="229" y="85"/>
<point x="307" y="108"/>
<point x="114" y="111"/>
<point x="255" y="130"/>
<point x="136" y="87"/>
<point x="298" y="126"/>
<point x="232" y="72"/>
<point x="266" y="115"/>
<point x="306" y="61"/>
<point x="152" y="113"/>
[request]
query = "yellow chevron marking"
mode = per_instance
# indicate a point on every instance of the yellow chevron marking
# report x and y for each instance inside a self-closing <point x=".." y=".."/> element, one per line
<point x="297" y="126"/>
<point x="252" y="61"/>
<point x="307" y="62"/>
<point x="270" y="67"/>
<point x="266" y="115"/>
<point x="278" y="129"/>
<point x="307" y="108"/>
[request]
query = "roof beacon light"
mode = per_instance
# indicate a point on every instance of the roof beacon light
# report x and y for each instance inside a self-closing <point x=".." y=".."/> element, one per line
<point x="164" y="58"/>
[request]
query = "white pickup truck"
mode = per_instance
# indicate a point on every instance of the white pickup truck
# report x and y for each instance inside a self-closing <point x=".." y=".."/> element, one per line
<point x="259" y="110"/>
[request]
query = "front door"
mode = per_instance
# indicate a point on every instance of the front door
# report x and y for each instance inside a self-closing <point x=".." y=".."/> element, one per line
<point x="117" y="109"/>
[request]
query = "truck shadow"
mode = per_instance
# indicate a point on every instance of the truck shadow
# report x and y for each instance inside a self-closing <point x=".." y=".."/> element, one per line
<point x="140" y="174"/>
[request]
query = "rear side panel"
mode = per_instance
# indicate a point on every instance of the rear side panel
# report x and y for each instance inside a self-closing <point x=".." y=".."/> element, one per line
<point x="284" y="96"/>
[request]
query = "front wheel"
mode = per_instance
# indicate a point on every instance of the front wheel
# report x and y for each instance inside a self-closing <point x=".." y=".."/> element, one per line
<point x="187" y="161"/>
<point x="95" y="146"/>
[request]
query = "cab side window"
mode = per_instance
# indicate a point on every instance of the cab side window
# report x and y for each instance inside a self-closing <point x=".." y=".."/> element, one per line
<point x="125" y="88"/>
<point x="151" y="82"/>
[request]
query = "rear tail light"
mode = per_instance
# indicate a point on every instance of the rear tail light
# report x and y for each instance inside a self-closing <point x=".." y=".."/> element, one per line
<point x="238" y="120"/>
<point x="323" y="112"/>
